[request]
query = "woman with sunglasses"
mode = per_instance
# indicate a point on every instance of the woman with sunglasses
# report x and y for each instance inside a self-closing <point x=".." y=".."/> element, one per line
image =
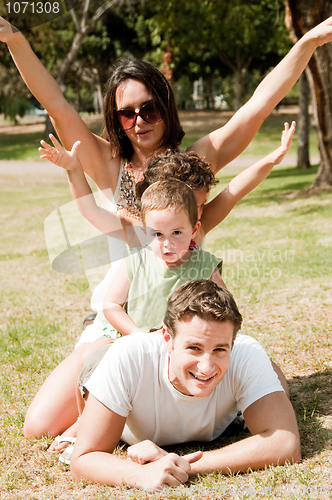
<point x="140" y="120"/>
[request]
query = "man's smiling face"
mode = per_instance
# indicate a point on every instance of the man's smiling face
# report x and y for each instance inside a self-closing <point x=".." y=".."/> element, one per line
<point x="199" y="354"/>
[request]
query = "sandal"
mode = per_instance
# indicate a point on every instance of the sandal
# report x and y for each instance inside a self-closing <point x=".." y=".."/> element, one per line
<point x="65" y="456"/>
<point x="63" y="439"/>
<point x="89" y="319"/>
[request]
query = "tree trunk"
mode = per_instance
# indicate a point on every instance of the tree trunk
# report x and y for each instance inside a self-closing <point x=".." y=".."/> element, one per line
<point x="210" y="96"/>
<point x="166" y="66"/>
<point x="49" y="129"/>
<point x="98" y="97"/>
<point x="78" y="79"/>
<point x="304" y="15"/>
<point x="303" y="124"/>
<point x="238" y="89"/>
<point x="70" y="59"/>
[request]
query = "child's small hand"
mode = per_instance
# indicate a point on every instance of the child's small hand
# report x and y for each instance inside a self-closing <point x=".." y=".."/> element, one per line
<point x="59" y="156"/>
<point x="145" y="452"/>
<point x="286" y="139"/>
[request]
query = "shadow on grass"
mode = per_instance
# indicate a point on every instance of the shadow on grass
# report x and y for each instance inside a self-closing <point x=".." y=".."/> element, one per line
<point x="23" y="146"/>
<point x="311" y="397"/>
<point x="293" y="172"/>
<point x="290" y="192"/>
<point x="323" y="211"/>
<point x="276" y="188"/>
<point x="19" y="146"/>
<point x="281" y="173"/>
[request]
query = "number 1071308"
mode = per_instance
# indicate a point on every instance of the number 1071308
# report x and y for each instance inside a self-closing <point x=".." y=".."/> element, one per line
<point x="33" y="7"/>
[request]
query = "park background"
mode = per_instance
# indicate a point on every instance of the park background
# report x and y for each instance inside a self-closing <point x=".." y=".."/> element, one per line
<point x="276" y="244"/>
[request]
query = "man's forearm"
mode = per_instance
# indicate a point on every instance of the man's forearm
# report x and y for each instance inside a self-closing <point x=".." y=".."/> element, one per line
<point x="254" y="452"/>
<point x="105" y="468"/>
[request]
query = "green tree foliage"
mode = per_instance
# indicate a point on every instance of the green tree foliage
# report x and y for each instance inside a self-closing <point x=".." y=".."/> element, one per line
<point x="217" y="36"/>
<point x="13" y="107"/>
<point x="15" y="97"/>
<point x="245" y="35"/>
<point x="207" y="38"/>
<point x="114" y="34"/>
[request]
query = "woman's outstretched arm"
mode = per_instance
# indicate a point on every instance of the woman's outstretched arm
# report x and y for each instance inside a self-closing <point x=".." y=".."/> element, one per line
<point x="35" y="75"/>
<point x="224" y="144"/>
<point x="94" y="152"/>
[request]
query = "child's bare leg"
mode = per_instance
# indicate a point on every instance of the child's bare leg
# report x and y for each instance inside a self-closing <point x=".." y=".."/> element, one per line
<point x="54" y="407"/>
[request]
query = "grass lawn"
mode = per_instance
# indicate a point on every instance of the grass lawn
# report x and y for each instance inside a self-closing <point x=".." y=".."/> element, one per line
<point x="19" y="146"/>
<point x="276" y="246"/>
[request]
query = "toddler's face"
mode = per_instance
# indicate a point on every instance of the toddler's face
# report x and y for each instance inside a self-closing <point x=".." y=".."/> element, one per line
<point x="171" y="233"/>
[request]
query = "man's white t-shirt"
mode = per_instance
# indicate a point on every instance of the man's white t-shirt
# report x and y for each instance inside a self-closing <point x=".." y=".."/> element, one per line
<point x="132" y="381"/>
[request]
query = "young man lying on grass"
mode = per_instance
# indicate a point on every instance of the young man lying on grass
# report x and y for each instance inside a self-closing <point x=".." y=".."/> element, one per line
<point x="186" y="384"/>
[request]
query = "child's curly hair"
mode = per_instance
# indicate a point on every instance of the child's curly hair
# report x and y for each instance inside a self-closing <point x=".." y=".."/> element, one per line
<point x="186" y="167"/>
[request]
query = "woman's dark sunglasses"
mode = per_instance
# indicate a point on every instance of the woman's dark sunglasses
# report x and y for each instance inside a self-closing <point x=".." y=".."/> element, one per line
<point x="149" y="112"/>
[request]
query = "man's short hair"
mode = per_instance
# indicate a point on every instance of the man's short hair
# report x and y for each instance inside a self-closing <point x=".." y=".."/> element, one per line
<point x="188" y="167"/>
<point x="202" y="298"/>
<point x="171" y="194"/>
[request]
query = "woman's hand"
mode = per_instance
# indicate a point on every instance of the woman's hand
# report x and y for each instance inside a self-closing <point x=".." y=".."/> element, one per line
<point x="59" y="156"/>
<point x="6" y="30"/>
<point x="320" y="34"/>
<point x="144" y="452"/>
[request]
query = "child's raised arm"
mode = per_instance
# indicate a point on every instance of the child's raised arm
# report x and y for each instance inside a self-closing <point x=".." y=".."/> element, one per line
<point x="216" y="211"/>
<point x="105" y="221"/>
<point x="114" y="300"/>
